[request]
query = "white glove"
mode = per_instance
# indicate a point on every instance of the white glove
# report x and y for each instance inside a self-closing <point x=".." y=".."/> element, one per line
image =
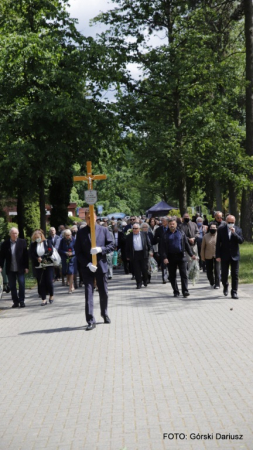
<point x="91" y="267"/>
<point x="96" y="250"/>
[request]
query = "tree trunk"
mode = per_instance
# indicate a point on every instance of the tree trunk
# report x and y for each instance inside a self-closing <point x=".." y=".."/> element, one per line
<point x="20" y="215"/>
<point x="183" y="196"/>
<point x="42" y="204"/>
<point x="246" y="215"/>
<point x="218" y="196"/>
<point x="233" y="209"/>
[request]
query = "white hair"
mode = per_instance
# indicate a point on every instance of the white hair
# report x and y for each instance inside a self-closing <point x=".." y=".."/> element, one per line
<point x="65" y="231"/>
<point x="13" y="229"/>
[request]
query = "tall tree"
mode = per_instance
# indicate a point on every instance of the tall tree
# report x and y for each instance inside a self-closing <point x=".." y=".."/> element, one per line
<point x="47" y="120"/>
<point x="247" y="199"/>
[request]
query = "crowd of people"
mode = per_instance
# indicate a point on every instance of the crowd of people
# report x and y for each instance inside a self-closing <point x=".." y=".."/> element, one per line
<point x="167" y="243"/>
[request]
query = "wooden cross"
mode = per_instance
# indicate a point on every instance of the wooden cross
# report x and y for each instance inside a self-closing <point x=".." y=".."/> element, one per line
<point x="90" y="178"/>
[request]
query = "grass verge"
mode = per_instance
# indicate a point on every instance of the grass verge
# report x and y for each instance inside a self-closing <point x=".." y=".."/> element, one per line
<point x="246" y="263"/>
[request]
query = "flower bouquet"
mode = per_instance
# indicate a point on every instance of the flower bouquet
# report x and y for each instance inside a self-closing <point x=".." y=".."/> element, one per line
<point x="193" y="271"/>
<point x="46" y="260"/>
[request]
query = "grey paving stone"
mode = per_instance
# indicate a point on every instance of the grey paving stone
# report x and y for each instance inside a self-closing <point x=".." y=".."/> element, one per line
<point x="162" y="365"/>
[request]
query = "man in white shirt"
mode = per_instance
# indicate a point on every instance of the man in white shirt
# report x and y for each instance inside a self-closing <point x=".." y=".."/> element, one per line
<point x="138" y="248"/>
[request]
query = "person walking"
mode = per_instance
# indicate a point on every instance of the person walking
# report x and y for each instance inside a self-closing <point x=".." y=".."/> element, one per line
<point x="40" y="251"/>
<point x="229" y="238"/>
<point x="67" y="252"/>
<point x="174" y="246"/>
<point x="104" y="245"/>
<point x="208" y="252"/>
<point x="158" y="237"/>
<point x="55" y="240"/>
<point x="145" y="229"/>
<point x="138" y="248"/>
<point x="14" y="252"/>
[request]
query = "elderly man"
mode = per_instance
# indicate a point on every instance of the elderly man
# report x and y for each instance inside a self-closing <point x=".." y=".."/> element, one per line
<point x="218" y="221"/>
<point x="229" y="238"/>
<point x="105" y="245"/>
<point x="174" y="245"/>
<point x="191" y="232"/>
<point x="14" y="252"/>
<point x="54" y="238"/>
<point x="138" y="248"/>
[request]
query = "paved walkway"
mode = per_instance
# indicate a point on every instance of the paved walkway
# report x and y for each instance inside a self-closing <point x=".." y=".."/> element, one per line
<point x="163" y="365"/>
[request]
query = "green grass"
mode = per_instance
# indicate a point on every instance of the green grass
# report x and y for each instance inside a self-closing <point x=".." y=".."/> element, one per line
<point x="246" y="263"/>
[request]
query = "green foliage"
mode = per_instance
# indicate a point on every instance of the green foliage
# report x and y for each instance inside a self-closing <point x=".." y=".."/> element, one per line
<point x="245" y="272"/>
<point x="3" y="228"/>
<point x="72" y="219"/>
<point x="187" y="112"/>
<point x="31" y="218"/>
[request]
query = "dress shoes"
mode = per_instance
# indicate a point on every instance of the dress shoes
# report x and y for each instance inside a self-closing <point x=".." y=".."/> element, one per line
<point x="106" y="319"/>
<point x="145" y="284"/>
<point x="216" y="287"/>
<point x="225" y="291"/>
<point x="235" y="296"/>
<point x="90" y="326"/>
<point x="164" y="282"/>
<point x="15" y="305"/>
<point x="176" y="294"/>
<point x="22" y="305"/>
<point x="186" y="294"/>
<point x="138" y="286"/>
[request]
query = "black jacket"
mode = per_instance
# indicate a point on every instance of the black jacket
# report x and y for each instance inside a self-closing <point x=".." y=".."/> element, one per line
<point x="158" y="237"/>
<point x="228" y="248"/>
<point x="146" y="245"/>
<point x="48" y="247"/>
<point x="184" y="244"/>
<point x="121" y="241"/>
<point x="21" y="255"/>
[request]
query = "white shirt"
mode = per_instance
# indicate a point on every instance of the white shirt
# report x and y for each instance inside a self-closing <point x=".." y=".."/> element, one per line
<point x="137" y="242"/>
<point x="40" y="249"/>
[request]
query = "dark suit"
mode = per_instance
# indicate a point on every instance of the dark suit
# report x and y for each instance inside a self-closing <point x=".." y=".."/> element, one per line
<point x="139" y="259"/>
<point x="177" y="258"/>
<point x="122" y="247"/>
<point x="228" y="250"/>
<point x="104" y="240"/>
<point x="22" y="260"/>
<point x="157" y="239"/>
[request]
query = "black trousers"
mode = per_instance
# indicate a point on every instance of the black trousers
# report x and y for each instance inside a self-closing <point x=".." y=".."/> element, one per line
<point x="88" y="280"/>
<point x="45" y="282"/>
<point x="140" y="266"/>
<point x="213" y="271"/>
<point x="179" y="262"/>
<point x="234" y="273"/>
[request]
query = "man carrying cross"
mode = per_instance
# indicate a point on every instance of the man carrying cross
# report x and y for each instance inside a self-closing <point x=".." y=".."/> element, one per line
<point x="84" y="252"/>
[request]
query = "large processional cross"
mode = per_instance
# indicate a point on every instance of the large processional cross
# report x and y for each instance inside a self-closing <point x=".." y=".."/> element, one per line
<point x="91" y="198"/>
